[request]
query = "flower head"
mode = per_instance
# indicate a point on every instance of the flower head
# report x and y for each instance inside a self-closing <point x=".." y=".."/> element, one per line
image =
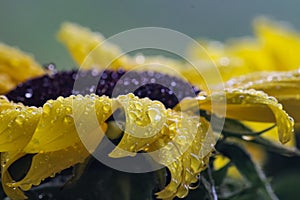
<point x="155" y="121"/>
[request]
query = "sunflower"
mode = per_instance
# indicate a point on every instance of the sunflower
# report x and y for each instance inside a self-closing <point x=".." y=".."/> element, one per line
<point x="41" y="113"/>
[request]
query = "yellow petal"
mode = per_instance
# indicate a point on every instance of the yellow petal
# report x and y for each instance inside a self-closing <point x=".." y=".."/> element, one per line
<point x="144" y="121"/>
<point x="282" y="85"/>
<point x="275" y="47"/>
<point x="248" y="105"/>
<point x="82" y="43"/>
<point x="280" y="42"/>
<point x="180" y="141"/>
<point x="234" y="58"/>
<point x="17" y="124"/>
<point x="185" y="166"/>
<point x="16" y="67"/>
<point x="6" y="160"/>
<point x="5" y="104"/>
<point x="46" y="165"/>
<point x="90" y="50"/>
<point x="57" y="130"/>
<point x="6" y="83"/>
<point x="17" y="127"/>
<point x="45" y="131"/>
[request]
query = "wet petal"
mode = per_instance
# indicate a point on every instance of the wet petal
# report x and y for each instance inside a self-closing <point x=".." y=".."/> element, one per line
<point x="7" y="159"/>
<point x="144" y="121"/>
<point x="17" y="127"/>
<point x="46" y="165"/>
<point x="5" y="104"/>
<point x="186" y="165"/>
<point x="178" y="140"/>
<point x="56" y="128"/>
<point x="282" y="85"/>
<point x="248" y="105"/>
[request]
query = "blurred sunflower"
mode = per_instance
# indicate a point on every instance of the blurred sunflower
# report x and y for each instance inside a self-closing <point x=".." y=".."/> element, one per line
<point x="37" y="111"/>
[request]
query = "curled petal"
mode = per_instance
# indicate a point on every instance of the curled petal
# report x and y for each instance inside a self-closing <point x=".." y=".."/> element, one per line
<point x="10" y="71"/>
<point x="144" y="121"/>
<point x="248" y="105"/>
<point x="282" y="85"/>
<point x="7" y="159"/>
<point x="185" y="166"/>
<point x="178" y="140"/>
<point x="49" y="134"/>
<point x="47" y="131"/>
<point x="47" y="164"/>
<point x="17" y="127"/>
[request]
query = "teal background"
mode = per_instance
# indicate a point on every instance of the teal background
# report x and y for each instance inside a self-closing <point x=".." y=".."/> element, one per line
<point x="32" y="25"/>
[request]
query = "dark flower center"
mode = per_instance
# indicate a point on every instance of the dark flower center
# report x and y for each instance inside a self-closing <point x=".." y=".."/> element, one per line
<point x="156" y="86"/>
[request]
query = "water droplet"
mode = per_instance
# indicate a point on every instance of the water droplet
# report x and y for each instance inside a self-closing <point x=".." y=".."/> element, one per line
<point x="291" y="119"/>
<point x="247" y="138"/>
<point x="224" y="61"/>
<point x="132" y="115"/>
<point x="68" y="119"/>
<point x="140" y="59"/>
<point x="172" y="127"/>
<point x="154" y="114"/>
<point x="28" y="95"/>
<point x="194" y="186"/>
<point x="3" y="98"/>
<point x="182" y="140"/>
<point x="26" y="186"/>
<point x="271" y="98"/>
<point x="47" y="108"/>
<point x="20" y="119"/>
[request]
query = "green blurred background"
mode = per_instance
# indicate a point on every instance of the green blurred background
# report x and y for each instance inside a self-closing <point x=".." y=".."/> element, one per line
<point x="32" y="25"/>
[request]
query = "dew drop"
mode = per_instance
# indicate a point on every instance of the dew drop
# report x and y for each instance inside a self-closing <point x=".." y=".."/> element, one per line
<point x="181" y="140"/>
<point x="194" y="186"/>
<point x="20" y="120"/>
<point x="47" y="108"/>
<point x="26" y="186"/>
<point x="291" y="119"/>
<point x="247" y="138"/>
<point x="3" y="98"/>
<point x="154" y="114"/>
<point x="28" y="95"/>
<point x="68" y="119"/>
<point x="271" y="98"/>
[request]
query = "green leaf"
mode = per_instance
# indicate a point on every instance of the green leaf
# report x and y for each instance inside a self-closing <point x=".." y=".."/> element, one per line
<point x="235" y="126"/>
<point x="100" y="182"/>
<point x="247" y="168"/>
<point x="219" y="175"/>
<point x="275" y="147"/>
<point x="286" y="184"/>
<point x="236" y="129"/>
